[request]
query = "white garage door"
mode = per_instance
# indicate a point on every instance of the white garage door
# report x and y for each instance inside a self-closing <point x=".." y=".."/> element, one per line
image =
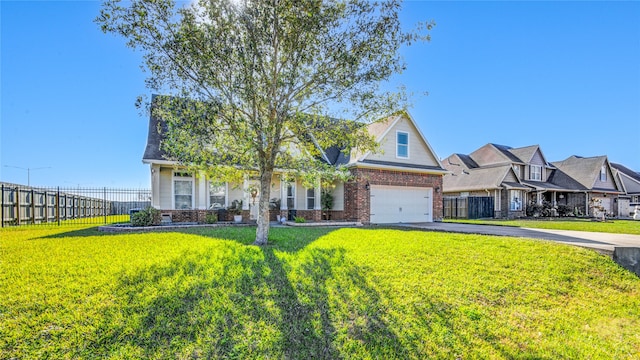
<point x="394" y="204"/>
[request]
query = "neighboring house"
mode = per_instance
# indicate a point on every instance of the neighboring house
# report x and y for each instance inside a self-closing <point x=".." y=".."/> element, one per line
<point x="533" y="180"/>
<point x="402" y="184"/>
<point x="630" y="182"/>
<point x="597" y="183"/>
<point x="498" y="171"/>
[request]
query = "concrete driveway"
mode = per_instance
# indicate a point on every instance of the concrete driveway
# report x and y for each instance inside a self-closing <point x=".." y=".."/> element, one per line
<point x="594" y="240"/>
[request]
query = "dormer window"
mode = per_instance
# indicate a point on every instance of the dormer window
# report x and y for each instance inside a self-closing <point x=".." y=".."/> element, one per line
<point x="603" y="173"/>
<point x="402" y="145"/>
<point x="535" y="172"/>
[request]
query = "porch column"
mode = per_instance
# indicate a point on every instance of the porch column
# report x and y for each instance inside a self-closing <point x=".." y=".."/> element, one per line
<point x="554" y="199"/>
<point x="317" y="194"/>
<point x="202" y="192"/>
<point x="283" y="192"/>
<point x="245" y="193"/>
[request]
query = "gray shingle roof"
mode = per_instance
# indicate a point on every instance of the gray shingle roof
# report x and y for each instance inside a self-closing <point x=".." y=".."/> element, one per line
<point x="625" y="170"/>
<point x="581" y="169"/>
<point x="476" y="179"/>
<point x="153" y="150"/>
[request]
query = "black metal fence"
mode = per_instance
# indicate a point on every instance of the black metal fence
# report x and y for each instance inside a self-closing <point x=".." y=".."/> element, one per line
<point x="23" y="205"/>
<point x="469" y="207"/>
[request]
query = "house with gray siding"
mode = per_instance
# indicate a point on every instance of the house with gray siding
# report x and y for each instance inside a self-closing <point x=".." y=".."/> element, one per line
<point x="630" y="182"/>
<point x="576" y="182"/>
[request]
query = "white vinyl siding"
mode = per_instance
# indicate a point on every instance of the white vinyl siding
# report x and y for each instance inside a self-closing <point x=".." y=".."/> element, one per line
<point x="402" y="144"/>
<point x="419" y="153"/>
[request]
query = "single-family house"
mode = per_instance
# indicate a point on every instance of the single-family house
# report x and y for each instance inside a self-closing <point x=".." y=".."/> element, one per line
<point x="630" y="182"/>
<point x="597" y="189"/>
<point x="575" y="184"/>
<point x="514" y="177"/>
<point x="400" y="184"/>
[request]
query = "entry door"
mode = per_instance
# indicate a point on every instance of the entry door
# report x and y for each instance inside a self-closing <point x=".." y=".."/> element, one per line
<point x="400" y="204"/>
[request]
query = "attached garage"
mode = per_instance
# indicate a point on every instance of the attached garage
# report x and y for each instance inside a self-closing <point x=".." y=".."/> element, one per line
<point x="400" y="204"/>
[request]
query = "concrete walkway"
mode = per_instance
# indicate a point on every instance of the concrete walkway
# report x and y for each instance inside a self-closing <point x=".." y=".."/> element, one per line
<point x="593" y="240"/>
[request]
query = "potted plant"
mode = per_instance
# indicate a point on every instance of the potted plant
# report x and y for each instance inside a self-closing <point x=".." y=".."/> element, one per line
<point x="236" y="210"/>
<point x="326" y="200"/>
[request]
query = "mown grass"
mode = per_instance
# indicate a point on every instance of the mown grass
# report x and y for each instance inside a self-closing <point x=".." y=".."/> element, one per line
<point x="609" y="226"/>
<point x="311" y="293"/>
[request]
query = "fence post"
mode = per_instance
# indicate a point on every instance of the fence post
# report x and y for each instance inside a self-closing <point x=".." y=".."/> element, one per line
<point x="2" y="204"/>
<point x="17" y="205"/>
<point x="33" y="207"/>
<point x="58" y="205"/>
<point x="104" y="204"/>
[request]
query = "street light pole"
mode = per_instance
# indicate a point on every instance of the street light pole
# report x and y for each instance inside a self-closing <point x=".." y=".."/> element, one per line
<point x="28" y="171"/>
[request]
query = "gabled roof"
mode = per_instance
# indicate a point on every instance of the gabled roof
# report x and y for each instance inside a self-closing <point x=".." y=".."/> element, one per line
<point x="380" y="129"/>
<point x="493" y="154"/>
<point x="333" y="155"/>
<point x="486" y="178"/>
<point x="507" y="151"/>
<point x="153" y="152"/>
<point x="629" y="179"/>
<point x="625" y="170"/>
<point x="585" y="170"/>
<point x="459" y="160"/>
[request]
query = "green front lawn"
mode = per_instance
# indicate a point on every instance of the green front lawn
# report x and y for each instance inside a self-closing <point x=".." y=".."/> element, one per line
<point x="609" y="226"/>
<point x="311" y="293"/>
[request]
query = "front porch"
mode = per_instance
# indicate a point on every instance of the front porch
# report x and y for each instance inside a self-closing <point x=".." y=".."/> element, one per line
<point x="183" y="196"/>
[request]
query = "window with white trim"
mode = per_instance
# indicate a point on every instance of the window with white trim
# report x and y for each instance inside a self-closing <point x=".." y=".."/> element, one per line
<point x="516" y="200"/>
<point x="535" y="172"/>
<point x="603" y="173"/>
<point x="311" y="198"/>
<point x="183" y="191"/>
<point x="217" y="195"/>
<point x="291" y="196"/>
<point x="402" y="144"/>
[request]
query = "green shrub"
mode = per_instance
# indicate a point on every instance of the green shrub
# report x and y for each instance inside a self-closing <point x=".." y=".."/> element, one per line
<point x="211" y="218"/>
<point x="144" y="217"/>
<point x="299" y="219"/>
<point x="565" y="210"/>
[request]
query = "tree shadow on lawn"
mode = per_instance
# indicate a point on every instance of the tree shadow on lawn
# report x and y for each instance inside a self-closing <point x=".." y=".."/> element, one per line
<point x="246" y="301"/>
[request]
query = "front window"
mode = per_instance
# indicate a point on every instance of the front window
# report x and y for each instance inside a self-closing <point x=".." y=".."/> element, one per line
<point x="603" y="173"/>
<point x="535" y="172"/>
<point x="291" y="196"/>
<point x="311" y="199"/>
<point x="217" y="195"/>
<point x="402" y="141"/>
<point x="183" y="191"/>
<point x="516" y="200"/>
<point x="516" y="168"/>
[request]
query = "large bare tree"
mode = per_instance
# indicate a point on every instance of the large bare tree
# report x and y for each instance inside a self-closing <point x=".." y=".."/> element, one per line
<point x="257" y="84"/>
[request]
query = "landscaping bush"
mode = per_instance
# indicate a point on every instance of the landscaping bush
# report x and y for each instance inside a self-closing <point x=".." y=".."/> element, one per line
<point x="211" y="218"/>
<point x="565" y="210"/>
<point x="146" y="217"/>
<point x="299" y="219"/>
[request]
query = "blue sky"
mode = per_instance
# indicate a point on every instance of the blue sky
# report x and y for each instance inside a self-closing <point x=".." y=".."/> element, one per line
<point x="564" y="75"/>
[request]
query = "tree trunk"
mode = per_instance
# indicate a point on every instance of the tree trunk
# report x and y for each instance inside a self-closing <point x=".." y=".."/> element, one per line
<point x="262" y="232"/>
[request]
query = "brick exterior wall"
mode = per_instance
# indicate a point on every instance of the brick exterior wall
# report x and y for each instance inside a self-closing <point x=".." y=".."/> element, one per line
<point x="199" y="216"/>
<point x="357" y="200"/>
